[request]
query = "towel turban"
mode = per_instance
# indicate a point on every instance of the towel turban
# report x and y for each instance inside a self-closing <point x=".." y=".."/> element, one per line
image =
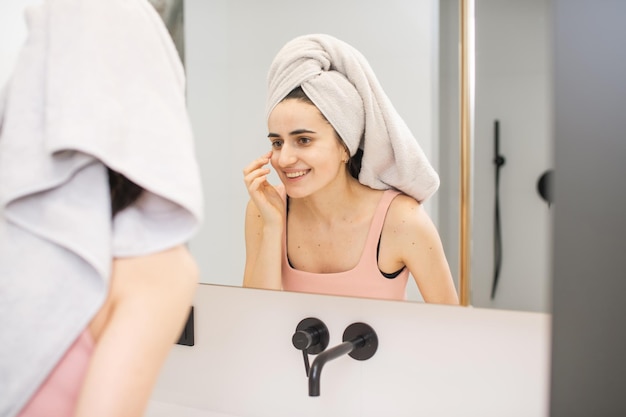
<point x="342" y="85"/>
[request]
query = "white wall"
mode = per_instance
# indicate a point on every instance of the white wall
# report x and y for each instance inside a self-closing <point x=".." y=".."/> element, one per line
<point x="432" y="360"/>
<point x="229" y="47"/>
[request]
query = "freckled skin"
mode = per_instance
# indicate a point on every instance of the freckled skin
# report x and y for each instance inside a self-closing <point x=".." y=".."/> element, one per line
<point x="302" y="140"/>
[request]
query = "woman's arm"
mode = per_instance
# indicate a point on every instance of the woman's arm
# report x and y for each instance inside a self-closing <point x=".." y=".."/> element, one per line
<point x="417" y="242"/>
<point x="264" y="228"/>
<point x="149" y="300"/>
<point x="263" y="251"/>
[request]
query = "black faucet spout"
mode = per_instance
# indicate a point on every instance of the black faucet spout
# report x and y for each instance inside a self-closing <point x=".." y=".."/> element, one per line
<point x="359" y="342"/>
<point x="315" y="373"/>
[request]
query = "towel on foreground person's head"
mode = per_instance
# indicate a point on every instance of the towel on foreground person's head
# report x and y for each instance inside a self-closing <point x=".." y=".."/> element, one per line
<point x="97" y="84"/>
<point x="342" y="85"/>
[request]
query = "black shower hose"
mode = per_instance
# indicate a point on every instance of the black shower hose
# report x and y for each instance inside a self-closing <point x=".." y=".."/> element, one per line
<point x="497" y="227"/>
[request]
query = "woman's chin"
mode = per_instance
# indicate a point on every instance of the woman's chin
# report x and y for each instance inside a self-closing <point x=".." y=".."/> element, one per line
<point x="295" y="190"/>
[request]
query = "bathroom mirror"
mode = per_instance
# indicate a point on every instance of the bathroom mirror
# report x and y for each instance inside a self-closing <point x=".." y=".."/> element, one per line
<point x="413" y="47"/>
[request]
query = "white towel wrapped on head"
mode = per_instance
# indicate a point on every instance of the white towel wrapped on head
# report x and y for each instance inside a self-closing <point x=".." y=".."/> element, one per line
<point x="342" y="85"/>
<point x="98" y="84"/>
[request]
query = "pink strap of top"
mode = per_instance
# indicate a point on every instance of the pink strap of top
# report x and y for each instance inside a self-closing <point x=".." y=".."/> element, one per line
<point x="59" y="393"/>
<point x="364" y="280"/>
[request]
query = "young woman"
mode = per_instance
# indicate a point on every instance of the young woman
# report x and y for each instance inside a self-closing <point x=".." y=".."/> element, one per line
<point x="99" y="193"/>
<point x="324" y="230"/>
<point x="113" y="365"/>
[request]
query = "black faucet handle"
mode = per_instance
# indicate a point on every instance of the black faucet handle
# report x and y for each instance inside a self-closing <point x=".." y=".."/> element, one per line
<point x="304" y="339"/>
<point x="311" y="336"/>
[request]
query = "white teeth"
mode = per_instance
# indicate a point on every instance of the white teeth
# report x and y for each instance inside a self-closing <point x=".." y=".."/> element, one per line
<point x="295" y="174"/>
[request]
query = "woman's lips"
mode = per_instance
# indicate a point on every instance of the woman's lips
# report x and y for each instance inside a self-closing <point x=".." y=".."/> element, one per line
<point x="296" y="174"/>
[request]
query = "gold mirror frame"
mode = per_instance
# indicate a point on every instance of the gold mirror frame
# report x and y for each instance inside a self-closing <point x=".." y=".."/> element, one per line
<point x="466" y="113"/>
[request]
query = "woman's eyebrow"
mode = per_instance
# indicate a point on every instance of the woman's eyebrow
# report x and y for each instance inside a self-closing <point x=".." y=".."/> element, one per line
<point x="292" y="133"/>
<point x="300" y="131"/>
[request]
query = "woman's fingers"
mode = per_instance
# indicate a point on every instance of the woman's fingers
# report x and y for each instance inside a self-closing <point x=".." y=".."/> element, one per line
<point x="255" y="170"/>
<point x="256" y="183"/>
<point x="257" y="163"/>
<point x="264" y="195"/>
<point x="251" y="177"/>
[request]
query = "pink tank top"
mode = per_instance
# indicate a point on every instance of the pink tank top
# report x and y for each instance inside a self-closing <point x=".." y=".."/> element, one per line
<point x="364" y="280"/>
<point x="58" y="395"/>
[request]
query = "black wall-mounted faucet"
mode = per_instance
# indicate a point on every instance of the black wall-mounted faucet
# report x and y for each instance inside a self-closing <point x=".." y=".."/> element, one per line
<point x="311" y="337"/>
<point x="359" y="341"/>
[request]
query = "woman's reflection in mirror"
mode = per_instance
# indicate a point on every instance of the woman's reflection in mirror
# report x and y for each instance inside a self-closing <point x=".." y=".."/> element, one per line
<point x="347" y="218"/>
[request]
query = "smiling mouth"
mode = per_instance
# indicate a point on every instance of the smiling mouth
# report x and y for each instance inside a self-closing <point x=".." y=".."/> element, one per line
<point x="296" y="174"/>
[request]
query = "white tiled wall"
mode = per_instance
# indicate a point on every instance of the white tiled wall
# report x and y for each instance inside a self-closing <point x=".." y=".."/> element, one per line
<point x="432" y="360"/>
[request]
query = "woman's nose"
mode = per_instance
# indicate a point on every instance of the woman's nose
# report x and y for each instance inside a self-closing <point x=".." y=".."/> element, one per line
<point x="287" y="156"/>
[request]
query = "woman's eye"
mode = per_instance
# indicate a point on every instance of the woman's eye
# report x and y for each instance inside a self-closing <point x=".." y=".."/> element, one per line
<point x="304" y="140"/>
<point x="276" y="144"/>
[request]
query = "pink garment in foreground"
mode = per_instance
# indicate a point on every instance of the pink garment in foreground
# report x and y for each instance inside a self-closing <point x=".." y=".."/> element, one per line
<point x="364" y="280"/>
<point x="59" y="393"/>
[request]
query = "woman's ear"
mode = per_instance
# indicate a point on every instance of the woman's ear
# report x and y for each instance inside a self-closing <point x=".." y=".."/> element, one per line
<point x="346" y="154"/>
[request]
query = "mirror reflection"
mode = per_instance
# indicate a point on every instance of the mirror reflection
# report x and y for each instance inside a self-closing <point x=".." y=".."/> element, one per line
<point x="511" y="220"/>
<point x="346" y="217"/>
<point x="412" y="47"/>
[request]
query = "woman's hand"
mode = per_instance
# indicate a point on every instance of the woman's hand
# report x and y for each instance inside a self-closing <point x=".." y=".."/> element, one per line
<point x="267" y="200"/>
<point x="264" y="228"/>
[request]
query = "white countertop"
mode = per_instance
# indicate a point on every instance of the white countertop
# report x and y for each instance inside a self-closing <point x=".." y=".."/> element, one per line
<point x="163" y="409"/>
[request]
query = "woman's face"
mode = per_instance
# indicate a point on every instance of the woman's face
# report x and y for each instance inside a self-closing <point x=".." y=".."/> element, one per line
<point x="306" y="152"/>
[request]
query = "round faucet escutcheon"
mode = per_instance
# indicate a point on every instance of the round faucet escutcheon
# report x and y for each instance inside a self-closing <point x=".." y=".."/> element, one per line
<point x="311" y="336"/>
<point x="367" y="340"/>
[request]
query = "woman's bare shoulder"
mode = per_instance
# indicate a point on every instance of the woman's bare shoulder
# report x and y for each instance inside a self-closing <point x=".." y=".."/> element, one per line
<point x="160" y="278"/>
<point x="404" y="208"/>
<point x="162" y="263"/>
<point x="407" y="217"/>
